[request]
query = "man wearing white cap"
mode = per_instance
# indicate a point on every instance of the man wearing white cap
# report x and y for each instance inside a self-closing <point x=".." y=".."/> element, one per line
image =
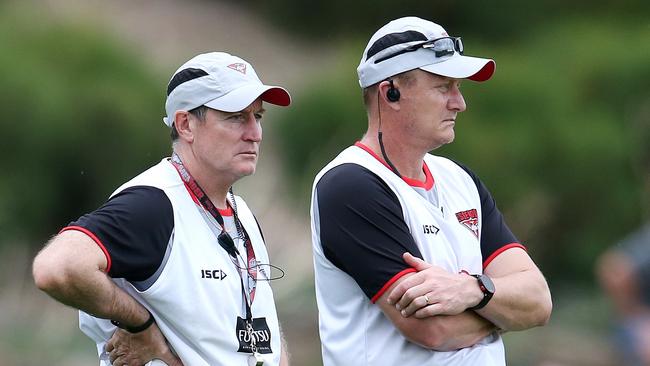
<point x="426" y="270"/>
<point x="173" y="267"/>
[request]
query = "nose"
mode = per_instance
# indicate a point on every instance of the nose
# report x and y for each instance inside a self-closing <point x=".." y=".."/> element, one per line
<point x="456" y="102"/>
<point x="253" y="131"/>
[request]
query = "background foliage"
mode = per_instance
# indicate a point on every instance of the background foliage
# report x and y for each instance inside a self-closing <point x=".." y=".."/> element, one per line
<point x="77" y="121"/>
<point x="559" y="134"/>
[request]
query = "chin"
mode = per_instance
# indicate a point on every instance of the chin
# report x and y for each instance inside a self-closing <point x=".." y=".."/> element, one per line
<point x="246" y="171"/>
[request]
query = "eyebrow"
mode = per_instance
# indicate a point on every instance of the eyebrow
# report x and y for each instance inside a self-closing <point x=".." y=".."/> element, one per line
<point x="261" y="111"/>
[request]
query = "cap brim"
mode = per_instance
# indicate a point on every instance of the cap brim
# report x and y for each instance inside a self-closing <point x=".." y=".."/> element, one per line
<point x="241" y="98"/>
<point x="463" y="67"/>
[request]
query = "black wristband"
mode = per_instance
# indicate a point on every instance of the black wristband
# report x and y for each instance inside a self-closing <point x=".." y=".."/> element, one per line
<point x="137" y="329"/>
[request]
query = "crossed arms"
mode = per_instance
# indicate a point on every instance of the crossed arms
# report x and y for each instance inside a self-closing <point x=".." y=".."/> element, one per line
<point x="522" y="300"/>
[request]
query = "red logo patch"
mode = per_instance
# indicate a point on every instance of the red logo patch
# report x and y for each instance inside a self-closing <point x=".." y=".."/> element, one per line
<point x="469" y="218"/>
<point x="238" y="67"/>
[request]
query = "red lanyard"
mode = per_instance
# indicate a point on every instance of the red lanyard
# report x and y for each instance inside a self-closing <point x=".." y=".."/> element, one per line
<point x="196" y="190"/>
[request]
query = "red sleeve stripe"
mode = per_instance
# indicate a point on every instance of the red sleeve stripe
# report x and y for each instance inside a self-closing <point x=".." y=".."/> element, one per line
<point x="501" y="250"/>
<point x="95" y="239"/>
<point x="389" y="283"/>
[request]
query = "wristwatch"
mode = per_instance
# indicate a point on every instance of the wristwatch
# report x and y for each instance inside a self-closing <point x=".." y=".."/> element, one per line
<point x="487" y="287"/>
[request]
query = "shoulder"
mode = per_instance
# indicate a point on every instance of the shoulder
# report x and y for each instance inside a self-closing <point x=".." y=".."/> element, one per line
<point x="162" y="175"/>
<point x="141" y="199"/>
<point x="351" y="181"/>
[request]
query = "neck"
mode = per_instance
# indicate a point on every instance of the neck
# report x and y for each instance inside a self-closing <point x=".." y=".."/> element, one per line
<point x="408" y="162"/>
<point x="214" y="186"/>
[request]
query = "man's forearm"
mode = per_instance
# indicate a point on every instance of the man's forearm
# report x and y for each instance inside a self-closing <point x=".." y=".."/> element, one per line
<point x="522" y="298"/>
<point x="440" y="332"/>
<point x="520" y="302"/>
<point x="462" y="330"/>
<point x="70" y="269"/>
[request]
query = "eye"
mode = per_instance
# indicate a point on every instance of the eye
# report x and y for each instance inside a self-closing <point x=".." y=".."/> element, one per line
<point x="258" y="116"/>
<point x="236" y="117"/>
<point x="444" y="87"/>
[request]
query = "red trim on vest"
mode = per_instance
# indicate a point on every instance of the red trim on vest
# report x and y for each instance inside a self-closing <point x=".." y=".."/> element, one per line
<point x="427" y="184"/>
<point x="390" y="282"/>
<point x="226" y="211"/>
<point x="501" y="250"/>
<point x="95" y="239"/>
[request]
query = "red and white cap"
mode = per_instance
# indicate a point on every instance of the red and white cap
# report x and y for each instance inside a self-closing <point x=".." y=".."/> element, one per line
<point x="393" y="49"/>
<point x="220" y="81"/>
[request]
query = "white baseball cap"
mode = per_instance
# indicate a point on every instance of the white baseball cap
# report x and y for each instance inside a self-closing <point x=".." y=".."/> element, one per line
<point x="410" y="43"/>
<point x="220" y="81"/>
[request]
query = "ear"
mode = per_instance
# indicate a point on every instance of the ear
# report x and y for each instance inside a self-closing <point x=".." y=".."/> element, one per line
<point x="382" y="90"/>
<point x="183" y="126"/>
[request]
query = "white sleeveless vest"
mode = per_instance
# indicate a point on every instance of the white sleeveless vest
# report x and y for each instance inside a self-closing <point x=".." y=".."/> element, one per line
<point x="197" y="315"/>
<point x="356" y="332"/>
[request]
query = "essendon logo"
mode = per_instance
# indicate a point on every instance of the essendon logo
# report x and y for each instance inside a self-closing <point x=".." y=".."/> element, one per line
<point x="238" y="67"/>
<point x="469" y="218"/>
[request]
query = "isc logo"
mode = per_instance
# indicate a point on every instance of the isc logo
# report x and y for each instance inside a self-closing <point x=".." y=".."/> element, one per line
<point x="430" y="229"/>
<point x="216" y="274"/>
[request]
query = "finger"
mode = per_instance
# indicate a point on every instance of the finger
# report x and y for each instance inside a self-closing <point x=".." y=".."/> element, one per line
<point x="415" y="305"/>
<point x="119" y="361"/>
<point x="415" y="262"/>
<point x="428" y="311"/>
<point x="404" y="286"/>
<point x="108" y="347"/>
<point x="411" y="295"/>
<point x="113" y="356"/>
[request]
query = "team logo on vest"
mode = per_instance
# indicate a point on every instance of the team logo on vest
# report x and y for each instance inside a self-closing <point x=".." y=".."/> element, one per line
<point x="469" y="219"/>
<point x="261" y="334"/>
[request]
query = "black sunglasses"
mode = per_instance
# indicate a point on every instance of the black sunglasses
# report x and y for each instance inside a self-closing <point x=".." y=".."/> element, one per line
<point x="441" y="46"/>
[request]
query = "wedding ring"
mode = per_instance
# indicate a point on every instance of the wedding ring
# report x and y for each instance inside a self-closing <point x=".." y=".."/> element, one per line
<point x="426" y="299"/>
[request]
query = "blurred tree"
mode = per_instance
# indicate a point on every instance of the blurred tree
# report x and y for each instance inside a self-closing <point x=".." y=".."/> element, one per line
<point x="555" y="135"/>
<point x="499" y="20"/>
<point x="79" y="117"/>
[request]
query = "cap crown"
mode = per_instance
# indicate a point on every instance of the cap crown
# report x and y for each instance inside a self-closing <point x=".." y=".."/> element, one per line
<point x="392" y="38"/>
<point x="204" y="78"/>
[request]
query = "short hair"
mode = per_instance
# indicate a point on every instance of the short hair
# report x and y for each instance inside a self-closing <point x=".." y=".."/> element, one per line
<point x="199" y="112"/>
<point x="405" y="78"/>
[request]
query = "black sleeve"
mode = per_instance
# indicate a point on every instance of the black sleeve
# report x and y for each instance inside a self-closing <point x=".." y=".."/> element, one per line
<point x="134" y="227"/>
<point x="495" y="232"/>
<point x="362" y="227"/>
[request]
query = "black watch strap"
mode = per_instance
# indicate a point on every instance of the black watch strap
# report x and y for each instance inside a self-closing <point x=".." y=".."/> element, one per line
<point x="487" y="287"/>
<point x="136" y="329"/>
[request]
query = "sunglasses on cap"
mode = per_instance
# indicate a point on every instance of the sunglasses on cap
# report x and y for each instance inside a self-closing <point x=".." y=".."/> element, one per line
<point x="441" y="46"/>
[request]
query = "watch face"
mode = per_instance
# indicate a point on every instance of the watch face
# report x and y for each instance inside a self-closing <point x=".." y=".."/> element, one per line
<point x="487" y="283"/>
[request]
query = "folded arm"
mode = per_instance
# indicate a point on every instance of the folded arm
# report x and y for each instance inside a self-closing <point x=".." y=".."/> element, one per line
<point x="521" y="299"/>
<point x="440" y="332"/>
<point x="71" y="269"/>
